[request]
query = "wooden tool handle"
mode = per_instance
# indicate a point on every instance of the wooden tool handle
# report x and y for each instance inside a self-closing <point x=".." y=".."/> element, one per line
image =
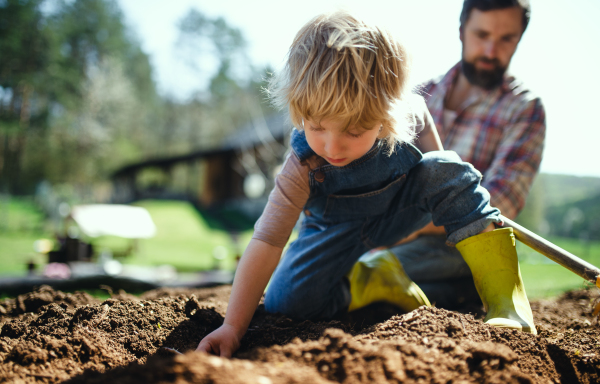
<point x="554" y="253"/>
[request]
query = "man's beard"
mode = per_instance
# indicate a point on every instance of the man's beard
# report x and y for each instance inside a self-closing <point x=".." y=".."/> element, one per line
<point x="485" y="79"/>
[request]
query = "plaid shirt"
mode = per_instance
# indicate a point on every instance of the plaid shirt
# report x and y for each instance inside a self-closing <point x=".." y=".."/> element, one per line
<point x="501" y="132"/>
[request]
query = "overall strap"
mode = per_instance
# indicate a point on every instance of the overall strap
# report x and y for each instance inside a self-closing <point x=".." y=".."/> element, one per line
<point x="300" y="145"/>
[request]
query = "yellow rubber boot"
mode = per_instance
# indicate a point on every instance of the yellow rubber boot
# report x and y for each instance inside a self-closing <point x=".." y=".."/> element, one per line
<point x="492" y="257"/>
<point x="379" y="276"/>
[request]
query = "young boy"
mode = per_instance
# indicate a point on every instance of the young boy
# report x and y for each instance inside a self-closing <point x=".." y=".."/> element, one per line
<point x="361" y="185"/>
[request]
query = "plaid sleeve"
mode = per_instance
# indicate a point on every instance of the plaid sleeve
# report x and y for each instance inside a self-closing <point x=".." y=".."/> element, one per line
<point x="517" y="159"/>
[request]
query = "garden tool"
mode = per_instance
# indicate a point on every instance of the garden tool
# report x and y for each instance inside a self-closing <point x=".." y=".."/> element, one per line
<point x="379" y="276"/>
<point x="492" y="258"/>
<point x="573" y="263"/>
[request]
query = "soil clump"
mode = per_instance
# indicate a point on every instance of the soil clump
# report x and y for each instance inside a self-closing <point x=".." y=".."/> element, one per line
<point x="48" y="336"/>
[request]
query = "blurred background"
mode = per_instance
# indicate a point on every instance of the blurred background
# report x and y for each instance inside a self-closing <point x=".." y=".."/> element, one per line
<point x="159" y="105"/>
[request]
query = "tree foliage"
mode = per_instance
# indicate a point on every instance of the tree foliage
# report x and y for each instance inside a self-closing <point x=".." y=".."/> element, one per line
<point x="72" y="82"/>
<point x="218" y="51"/>
<point x="24" y="55"/>
<point x="77" y="98"/>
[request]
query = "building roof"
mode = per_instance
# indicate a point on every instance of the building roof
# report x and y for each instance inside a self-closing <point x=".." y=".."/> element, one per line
<point x="273" y="127"/>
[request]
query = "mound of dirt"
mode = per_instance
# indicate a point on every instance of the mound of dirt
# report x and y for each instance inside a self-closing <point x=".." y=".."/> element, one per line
<point x="48" y="336"/>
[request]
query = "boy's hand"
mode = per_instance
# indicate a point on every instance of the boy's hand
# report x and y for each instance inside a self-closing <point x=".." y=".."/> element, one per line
<point x="223" y="341"/>
<point x="251" y="278"/>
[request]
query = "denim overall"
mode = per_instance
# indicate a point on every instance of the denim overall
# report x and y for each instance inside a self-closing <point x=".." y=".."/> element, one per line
<point x="373" y="201"/>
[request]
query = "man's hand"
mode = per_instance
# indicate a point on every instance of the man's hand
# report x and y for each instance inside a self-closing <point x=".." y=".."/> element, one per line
<point x="409" y="238"/>
<point x="223" y="341"/>
<point x="429" y="229"/>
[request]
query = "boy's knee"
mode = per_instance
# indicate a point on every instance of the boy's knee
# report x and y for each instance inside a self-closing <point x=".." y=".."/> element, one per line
<point x="284" y="301"/>
<point x="441" y="166"/>
<point x="303" y="302"/>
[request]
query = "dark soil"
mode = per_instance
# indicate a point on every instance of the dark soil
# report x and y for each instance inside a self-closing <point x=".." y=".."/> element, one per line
<point x="48" y="336"/>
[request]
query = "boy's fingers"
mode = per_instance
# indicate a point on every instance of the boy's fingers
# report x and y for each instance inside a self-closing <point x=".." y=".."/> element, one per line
<point x="209" y="348"/>
<point x="225" y="352"/>
<point x="206" y="346"/>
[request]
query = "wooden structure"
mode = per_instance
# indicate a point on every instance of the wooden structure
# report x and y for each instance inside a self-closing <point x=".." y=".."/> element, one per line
<point x="229" y="185"/>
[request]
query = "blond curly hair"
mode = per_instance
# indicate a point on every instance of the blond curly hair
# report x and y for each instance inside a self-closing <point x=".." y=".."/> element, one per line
<point x="339" y="67"/>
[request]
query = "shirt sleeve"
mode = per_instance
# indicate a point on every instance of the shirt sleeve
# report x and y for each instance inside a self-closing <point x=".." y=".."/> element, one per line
<point x="286" y="201"/>
<point x="517" y="160"/>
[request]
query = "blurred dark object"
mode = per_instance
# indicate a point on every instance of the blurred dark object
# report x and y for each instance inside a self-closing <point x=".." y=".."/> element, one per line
<point x="30" y="267"/>
<point x="71" y="250"/>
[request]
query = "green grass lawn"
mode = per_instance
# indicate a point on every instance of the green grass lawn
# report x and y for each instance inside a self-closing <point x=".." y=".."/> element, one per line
<point x="185" y="241"/>
<point x="16" y="250"/>
<point x="21" y="223"/>
<point x="544" y="278"/>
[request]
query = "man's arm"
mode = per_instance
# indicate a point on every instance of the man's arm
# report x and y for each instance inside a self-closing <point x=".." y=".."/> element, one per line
<point x="253" y="273"/>
<point x="428" y="138"/>
<point x="517" y="159"/>
<point x="429" y="229"/>
<point x="514" y="167"/>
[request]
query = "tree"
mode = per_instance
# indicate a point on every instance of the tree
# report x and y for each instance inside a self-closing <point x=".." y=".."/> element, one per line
<point x="24" y="55"/>
<point x="218" y="51"/>
<point x="77" y="99"/>
<point x="54" y="123"/>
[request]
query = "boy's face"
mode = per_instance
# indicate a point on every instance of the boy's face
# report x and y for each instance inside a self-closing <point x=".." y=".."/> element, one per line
<point x="339" y="147"/>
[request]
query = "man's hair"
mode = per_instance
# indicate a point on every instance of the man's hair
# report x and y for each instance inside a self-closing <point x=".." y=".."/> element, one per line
<point x="339" y="67"/>
<point x="489" y="5"/>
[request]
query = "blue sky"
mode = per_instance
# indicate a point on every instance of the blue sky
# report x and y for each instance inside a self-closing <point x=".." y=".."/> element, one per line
<point x="558" y="57"/>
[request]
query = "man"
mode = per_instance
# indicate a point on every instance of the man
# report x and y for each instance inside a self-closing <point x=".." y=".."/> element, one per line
<point x="492" y="121"/>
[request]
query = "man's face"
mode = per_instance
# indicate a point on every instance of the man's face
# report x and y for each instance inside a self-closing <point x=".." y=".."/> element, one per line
<point x="489" y="41"/>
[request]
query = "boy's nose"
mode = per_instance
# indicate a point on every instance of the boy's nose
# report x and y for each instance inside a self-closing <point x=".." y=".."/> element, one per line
<point x="333" y="146"/>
